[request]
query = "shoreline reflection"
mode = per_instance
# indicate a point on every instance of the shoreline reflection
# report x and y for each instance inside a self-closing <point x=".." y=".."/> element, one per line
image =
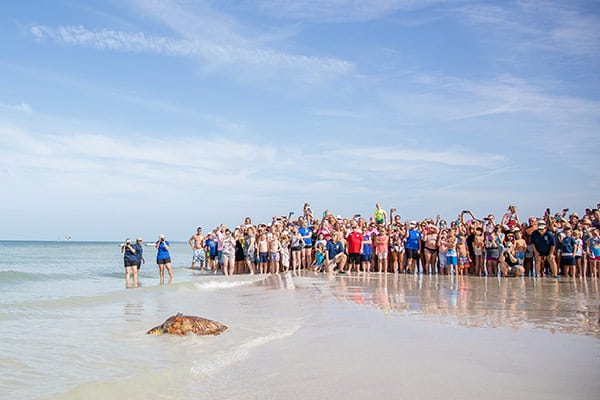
<point x="566" y="305"/>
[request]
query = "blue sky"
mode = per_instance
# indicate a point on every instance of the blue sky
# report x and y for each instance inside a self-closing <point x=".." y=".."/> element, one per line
<point x="136" y="117"/>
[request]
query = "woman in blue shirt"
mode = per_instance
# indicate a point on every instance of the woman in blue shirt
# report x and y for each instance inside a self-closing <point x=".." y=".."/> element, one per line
<point x="130" y="261"/>
<point x="163" y="258"/>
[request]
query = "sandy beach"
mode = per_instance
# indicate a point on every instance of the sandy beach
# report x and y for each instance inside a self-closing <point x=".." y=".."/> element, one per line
<point x="75" y="332"/>
<point x="374" y="336"/>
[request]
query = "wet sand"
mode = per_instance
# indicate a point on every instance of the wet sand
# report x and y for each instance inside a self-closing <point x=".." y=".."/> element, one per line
<point x="405" y="336"/>
<point x="564" y="305"/>
<point x="313" y="336"/>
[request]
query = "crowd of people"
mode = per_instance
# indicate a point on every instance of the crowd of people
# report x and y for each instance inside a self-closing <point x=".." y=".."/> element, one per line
<point x="556" y="244"/>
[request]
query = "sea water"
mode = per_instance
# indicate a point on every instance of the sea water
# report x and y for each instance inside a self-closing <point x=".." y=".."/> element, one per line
<point x="71" y="330"/>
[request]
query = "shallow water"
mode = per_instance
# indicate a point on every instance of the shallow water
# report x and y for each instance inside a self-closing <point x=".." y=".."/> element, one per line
<point x="75" y="332"/>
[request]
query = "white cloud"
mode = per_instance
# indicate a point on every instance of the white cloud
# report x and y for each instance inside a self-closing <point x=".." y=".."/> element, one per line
<point x="538" y="25"/>
<point x="210" y="52"/>
<point x="340" y="10"/>
<point x="21" y="107"/>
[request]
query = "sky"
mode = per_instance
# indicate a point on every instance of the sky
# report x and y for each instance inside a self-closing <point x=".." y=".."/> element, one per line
<point x="139" y="117"/>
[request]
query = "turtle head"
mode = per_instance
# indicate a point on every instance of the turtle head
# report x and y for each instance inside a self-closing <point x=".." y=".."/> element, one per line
<point x="157" y="330"/>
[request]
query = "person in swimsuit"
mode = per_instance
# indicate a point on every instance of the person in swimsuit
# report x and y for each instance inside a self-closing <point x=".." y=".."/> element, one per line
<point x="397" y="247"/>
<point x="430" y="248"/>
<point x="263" y="253"/>
<point x="196" y="242"/>
<point x="379" y="215"/>
<point x="492" y="253"/>
<point x="296" y="245"/>
<point x="464" y="260"/>
<point x="250" y="248"/>
<point x="478" y="246"/>
<point x="275" y="253"/>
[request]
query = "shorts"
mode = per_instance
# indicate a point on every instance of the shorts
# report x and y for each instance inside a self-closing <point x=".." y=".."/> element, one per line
<point x="263" y="257"/>
<point x="567" y="261"/>
<point x="492" y="254"/>
<point x="227" y="257"/>
<point x="513" y="270"/>
<point x="199" y="256"/>
<point x="382" y="256"/>
<point x="163" y="261"/>
<point x="442" y="259"/>
<point x="464" y="262"/>
<point x="250" y="256"/>
<point x="354" y="258"/>
<point x="398" y="249"/>
<point x="366" y="257"/>
<point x="132" y="263"/>
<point x="275" y="256"/>
<point x="451" y="260"/>
<point x="412" y="253"/>
<point x="213" y="256"/>
<point x="296" y="248"/>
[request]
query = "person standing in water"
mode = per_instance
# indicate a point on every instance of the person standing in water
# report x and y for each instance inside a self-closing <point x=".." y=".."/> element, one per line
<point x="197" y="244"/>
<point x="130" y="261"/>
<point x="163" y="258"/>
<point x="139" y="252"/>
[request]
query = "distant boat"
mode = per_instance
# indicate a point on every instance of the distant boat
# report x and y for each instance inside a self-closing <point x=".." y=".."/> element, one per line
<point x="68" y="237"/>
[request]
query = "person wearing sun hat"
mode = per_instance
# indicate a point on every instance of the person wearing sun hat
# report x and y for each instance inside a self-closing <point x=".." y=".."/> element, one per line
<point x="544" y="245"/>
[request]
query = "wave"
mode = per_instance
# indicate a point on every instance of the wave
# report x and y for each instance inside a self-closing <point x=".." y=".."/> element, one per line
<point x="226" y="283"/>
<point x="12" y="277"/>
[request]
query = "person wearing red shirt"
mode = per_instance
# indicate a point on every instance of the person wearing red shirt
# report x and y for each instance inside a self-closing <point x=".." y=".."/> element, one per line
<point x="354" y="240"/>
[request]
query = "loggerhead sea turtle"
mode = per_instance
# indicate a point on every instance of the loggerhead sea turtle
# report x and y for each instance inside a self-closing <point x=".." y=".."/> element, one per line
<point x="183" y="324"/>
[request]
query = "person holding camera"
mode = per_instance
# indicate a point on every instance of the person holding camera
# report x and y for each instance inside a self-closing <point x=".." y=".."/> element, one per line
<point x="163" y="258"/>
<point x="130" y="261"/>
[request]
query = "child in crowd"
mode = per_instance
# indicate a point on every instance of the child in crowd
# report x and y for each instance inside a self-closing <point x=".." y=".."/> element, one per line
<point x="594" y="252"/>
<point x="381" y="249"/>
<point x="464" y="260"/>
<point x="567" y="252"/>
<point x="275" y="253"/>
<point x="578" y="253"/>
<point x="443" y="251"/>
<point x="478" y="245"/>
<point x="210" y="245"/>
<point x="451" y="254"/>
<point x="263" y="253"/>
<point x="319" y="257"/>
<point x="285" y="252"/>
<point x="366" y="255"/>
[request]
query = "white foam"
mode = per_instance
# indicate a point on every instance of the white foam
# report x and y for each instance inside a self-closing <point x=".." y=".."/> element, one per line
<point x="222" y="360"/>
<point x="226" y="283"/>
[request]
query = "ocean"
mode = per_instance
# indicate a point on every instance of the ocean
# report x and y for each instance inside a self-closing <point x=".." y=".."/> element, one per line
<point x="72" y="330"/>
